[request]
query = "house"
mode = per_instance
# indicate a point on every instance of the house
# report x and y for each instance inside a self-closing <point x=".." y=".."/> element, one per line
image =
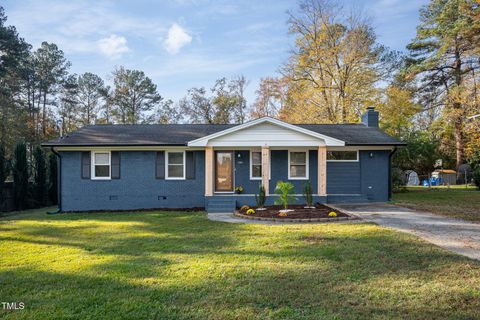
<point x="127" y="167"/>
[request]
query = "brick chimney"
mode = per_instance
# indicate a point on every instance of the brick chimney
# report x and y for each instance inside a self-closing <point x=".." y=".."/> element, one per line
<point x="370" y="117"/>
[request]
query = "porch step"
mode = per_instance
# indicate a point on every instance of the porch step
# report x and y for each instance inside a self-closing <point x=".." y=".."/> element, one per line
<point x="219" y="204"/>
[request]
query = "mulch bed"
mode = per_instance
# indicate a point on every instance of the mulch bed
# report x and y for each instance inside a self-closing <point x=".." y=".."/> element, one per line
<point x="299" y="212"/>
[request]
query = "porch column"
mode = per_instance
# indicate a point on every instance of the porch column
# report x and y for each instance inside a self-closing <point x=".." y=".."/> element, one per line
<point x="322" y="170"/>
<point x="208" y="171"/>
<point x="266" y="168"/>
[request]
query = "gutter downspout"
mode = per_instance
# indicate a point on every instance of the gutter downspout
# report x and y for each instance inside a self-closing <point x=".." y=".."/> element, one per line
<point x="390" y="173"/>
<point x="59" y="182"/>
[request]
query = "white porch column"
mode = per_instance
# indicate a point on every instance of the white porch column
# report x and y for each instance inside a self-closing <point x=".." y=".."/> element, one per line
<point x="322" y="170"/>
<point x="208" y="171"/>
<point x="266" y="168"/>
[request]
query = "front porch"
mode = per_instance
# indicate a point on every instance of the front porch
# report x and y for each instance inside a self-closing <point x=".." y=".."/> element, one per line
<point x="225" y="170"/>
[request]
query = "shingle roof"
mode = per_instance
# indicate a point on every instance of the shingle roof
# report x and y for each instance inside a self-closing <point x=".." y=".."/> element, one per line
<point x="181" y="134"/>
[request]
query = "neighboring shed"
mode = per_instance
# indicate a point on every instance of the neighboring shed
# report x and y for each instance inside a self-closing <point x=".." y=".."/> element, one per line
<point x="411" y="178"/>
<point x="445" y="176"/>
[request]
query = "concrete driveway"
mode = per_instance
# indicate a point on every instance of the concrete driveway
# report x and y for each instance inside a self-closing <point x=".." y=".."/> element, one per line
<point x="457" y="235"/>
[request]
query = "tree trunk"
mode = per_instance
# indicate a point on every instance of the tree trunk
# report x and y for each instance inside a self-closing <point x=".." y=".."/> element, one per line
<point x="44" y="114"/>
<point x="457" y="106"/>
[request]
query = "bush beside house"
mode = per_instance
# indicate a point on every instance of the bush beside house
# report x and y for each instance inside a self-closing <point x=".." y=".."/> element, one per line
<point x="23" y="179"/>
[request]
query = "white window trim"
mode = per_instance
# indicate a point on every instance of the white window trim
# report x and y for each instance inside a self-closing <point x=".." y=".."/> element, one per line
<point x="92" y="165"/>
<point x="307" y="165"/>
<point x="358" y="156"/>
<point x="250" y="164"/>
<point x="166" y="165"/>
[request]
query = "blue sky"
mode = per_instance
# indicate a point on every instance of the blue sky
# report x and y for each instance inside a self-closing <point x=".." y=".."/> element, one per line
<point x="185" y="43"/>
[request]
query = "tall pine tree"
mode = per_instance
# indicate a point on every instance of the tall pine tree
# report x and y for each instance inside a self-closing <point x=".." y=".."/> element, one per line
<point x="442" y="56"/>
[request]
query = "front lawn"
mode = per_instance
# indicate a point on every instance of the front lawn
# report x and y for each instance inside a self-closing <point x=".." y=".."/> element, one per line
<point x="457" y="203"/>
<point x="174" y="265"/>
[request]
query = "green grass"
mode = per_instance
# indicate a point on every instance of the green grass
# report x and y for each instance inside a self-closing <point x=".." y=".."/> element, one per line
<point x="174" y="265"/>
<point x="455" y="203"/>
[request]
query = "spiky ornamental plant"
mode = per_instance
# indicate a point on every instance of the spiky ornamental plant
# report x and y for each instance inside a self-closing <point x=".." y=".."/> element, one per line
<point x="52" y="179"/>
<point x="260" y="197"/>
<point x="20" y="176"/>
<point x="40" y="176"/>
<point x="285" y="192"/>
<point x="307" y="194"/>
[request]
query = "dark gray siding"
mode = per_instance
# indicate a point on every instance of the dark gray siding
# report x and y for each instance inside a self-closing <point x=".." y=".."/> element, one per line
<point x="375" y="177"/>
<point x="280" y="170"/>
<point x="343" y="178"/>
<point x="137" y="187"/>
<point x="359" y="181"/>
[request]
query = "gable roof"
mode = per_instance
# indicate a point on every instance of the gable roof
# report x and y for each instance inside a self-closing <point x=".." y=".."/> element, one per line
<point x="318" y="135"/>
<point x="181" y="134"/>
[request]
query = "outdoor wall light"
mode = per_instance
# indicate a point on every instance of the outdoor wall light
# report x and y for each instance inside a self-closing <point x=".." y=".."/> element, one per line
<point x="370" y="154"/>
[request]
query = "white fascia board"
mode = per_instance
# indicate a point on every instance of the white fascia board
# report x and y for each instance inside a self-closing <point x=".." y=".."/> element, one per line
<point x="203" y="142"/>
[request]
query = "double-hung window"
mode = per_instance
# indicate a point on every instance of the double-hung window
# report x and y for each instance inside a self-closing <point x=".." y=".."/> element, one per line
<point x="101" y="165"/>
<point x="297" y="165"/>
<point x="255" y="165"/>
<point x="175" y="165"/>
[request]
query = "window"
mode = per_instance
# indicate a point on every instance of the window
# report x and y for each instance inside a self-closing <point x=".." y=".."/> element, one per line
<point x="342" y="155"/>
<point x="175" y="168"/>
<point x="255" y="165"/>
<point x="101" y="165"/>
<point x="297" y="165"/>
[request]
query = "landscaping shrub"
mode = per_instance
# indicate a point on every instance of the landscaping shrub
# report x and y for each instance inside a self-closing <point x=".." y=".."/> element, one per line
<point x="40" y="177"/>
<point x="52" y="179"/>
<point x="332" y="214"/>
<point x="476" y="177"/>
<point x="244" y="208"/>
<point x="3" y="173"/>
<point x="398" y="180"/>
<point x="285" y="191"/>
<point x="260" y="198"/>
<point x="250" y="211"/>
<point x="20" y="176"/>
<point x="307" y="194"/>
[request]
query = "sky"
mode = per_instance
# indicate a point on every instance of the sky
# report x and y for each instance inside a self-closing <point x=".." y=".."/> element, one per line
<point x="181" y="44"/>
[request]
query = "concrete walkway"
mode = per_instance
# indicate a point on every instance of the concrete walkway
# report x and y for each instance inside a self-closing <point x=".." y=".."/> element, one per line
<point x="457" y="235"/>
<point x="229" y="217"/>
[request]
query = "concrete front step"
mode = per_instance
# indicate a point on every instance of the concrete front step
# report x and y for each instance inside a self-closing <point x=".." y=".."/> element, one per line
<point x="220" y="205"/>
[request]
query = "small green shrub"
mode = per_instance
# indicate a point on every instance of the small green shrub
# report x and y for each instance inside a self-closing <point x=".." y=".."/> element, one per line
<point x="307" y="194"/>
<point x="250" y="211"/>
<point x="260" y="198"/>
<point x="285" y="192"/>
<point x="398" y="180"/>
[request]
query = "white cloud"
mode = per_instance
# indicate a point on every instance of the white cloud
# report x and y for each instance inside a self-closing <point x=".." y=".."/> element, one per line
<point x="113" y="46"/>
<point x="177" y="38"/>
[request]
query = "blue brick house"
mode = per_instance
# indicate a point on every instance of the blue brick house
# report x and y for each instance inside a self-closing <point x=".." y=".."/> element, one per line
<point x="128" y="167"/>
